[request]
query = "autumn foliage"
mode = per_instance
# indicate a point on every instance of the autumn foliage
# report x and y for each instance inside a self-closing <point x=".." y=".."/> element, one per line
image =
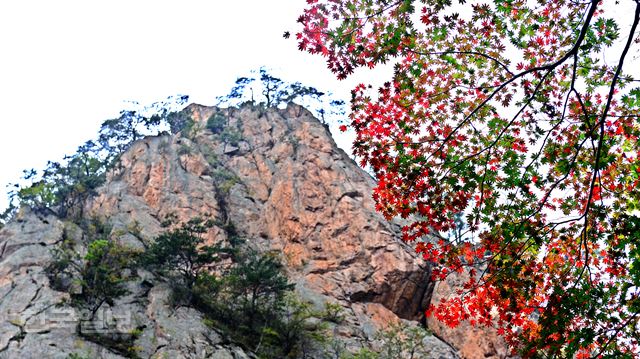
<point x="508" y="136"/>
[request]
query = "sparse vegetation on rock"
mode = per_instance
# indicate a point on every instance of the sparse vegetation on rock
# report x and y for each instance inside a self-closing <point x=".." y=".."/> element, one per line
<point x="238" y="289"/>
<point x="275" y="92"/>
<point x="97" y="277"/>
<point x="181" y="256"/>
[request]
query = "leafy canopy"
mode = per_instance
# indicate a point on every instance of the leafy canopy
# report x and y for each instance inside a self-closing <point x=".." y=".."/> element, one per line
<point x="263" y="88"/>
<point x="508" y="135"/>
<point x="100" y="274"/>
<point x="241" y="291"/>
<point x="62" y="187"/>
<point x="181" y="253"/>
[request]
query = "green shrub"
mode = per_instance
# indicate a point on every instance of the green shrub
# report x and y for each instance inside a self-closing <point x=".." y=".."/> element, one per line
<point x="103" y="275"/>
<point x="179" y="254"/>
<point x="179" y="121"/>
<point x="100" y="275"/>
<point x="231" y="136"/>
<point x="192" y="130"/>
<point x="210" y="156"/>
<point x="242" y="292"/>
<point x="333" y="312"/>
<point x="63" y="187"/>
<point x="216" y="123"/>
<point x="364" y="353"/>
<point x="224" y="179"/>
<point x="258" y="284"/>
<point x="283" y="327"/>
<point x="297" y="333"/>
<point x="255" y="304"/>
<point x="65" y="267"/>
<point x="205" y="292"/>
<point x="184" y="149"/>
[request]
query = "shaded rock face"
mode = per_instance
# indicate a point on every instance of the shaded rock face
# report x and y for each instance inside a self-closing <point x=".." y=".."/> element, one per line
<point x="277" y="177"/>
<point x="36" y="321"/>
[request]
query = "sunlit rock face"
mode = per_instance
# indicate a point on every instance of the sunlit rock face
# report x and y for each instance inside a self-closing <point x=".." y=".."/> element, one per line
<point x="279" y="179"/>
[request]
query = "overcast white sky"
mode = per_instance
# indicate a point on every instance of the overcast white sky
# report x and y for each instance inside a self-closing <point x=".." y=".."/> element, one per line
<point x="66" y="66"/>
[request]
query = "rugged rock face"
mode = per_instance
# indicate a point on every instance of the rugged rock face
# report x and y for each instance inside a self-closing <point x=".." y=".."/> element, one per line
<point x="36" y="321"/>
<point x="280" y="180"/>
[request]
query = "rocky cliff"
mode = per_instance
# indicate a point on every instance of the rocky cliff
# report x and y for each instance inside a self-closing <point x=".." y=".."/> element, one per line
<point x="279" y="178"/>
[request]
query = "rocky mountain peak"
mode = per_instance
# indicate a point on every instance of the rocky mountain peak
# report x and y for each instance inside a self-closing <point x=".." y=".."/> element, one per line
<point x="278" y="179"/>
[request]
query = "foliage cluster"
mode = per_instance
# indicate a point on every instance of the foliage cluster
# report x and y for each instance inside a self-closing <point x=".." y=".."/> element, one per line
<point x="510" y="116"/>
<point x="62" y="187"/>
<point x="177" y="120"/>
<point x="231" y="136"/>
<point x="181" y="255"/>
<point x="238" y="289"/>
<point x="216" y="123"/>
<point x="275" y="92"/>
<point x="97" y="277"/>
<point x="224" y="179"/>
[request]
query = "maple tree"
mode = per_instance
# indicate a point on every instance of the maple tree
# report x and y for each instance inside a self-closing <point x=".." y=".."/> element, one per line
<point x="508" y="135"/>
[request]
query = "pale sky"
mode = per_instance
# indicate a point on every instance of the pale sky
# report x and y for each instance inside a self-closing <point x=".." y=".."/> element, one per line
<point x="66" y="66"/>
